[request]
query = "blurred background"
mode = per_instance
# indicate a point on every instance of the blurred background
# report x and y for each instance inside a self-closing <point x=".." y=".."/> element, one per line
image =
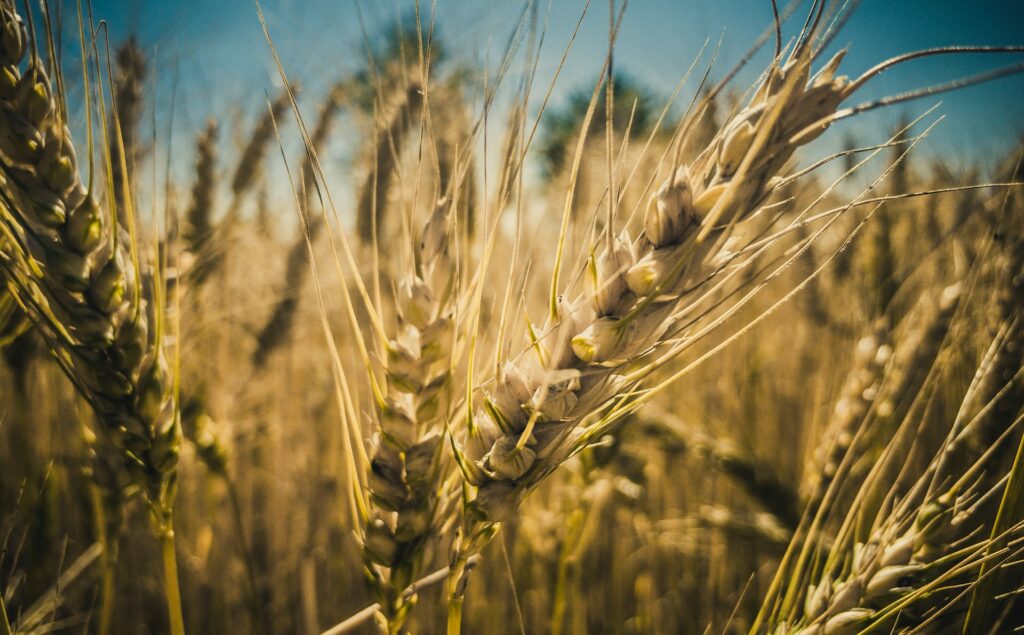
<point x="212" y="58"/>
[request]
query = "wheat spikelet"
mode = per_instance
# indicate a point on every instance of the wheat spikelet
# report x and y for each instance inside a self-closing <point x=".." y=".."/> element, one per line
<point x="449" y="144"/>
<point x="925" y="541"/>
<point x="1000" y="393"/>
<point x="879" y="390"/>
<point x="208" y="241"/>
<point x="637" y="284"/>
<point x="1001" y="390"/>
<point x="328" y="112"/>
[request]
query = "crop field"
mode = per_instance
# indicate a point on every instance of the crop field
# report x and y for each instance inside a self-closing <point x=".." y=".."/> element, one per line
<point x="558" y="316"/>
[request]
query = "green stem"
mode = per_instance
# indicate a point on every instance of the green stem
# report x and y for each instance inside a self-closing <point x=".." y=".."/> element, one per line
<point x="456" y="593"/>
<point x="108" y="585"/>
<point x="108" y="589"/>
<point x="395" y="626"/>
<point x="5" y="626"/>
<point x="455" y="615"/>
<point x="398" y="613"/>
<point x="174" y="615"/>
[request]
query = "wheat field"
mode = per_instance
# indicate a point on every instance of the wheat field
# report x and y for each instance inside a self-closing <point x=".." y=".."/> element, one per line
<point x="452" y="337"/>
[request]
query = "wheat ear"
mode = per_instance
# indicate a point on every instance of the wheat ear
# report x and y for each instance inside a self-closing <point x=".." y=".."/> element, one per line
<point x="126" y="115"/>
<point x="198" y="216"/>
<point x="387" y="150"/>
<point x="574" y="370"/>
<point x="84" y="285"/>
<point x="275" y="330"/>
<point x="405" y="465"/>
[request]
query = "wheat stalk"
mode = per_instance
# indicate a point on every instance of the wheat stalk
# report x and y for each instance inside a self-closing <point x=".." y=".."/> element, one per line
<point x="582" y="368"/>
<point x="532" y="415"/>
<point x="198" y="216"/>
<point x="126" y="114"/>
<point x="856" y="396"/>
<point x="405" y="465"/>
<point x="911" y="557"/>
<point x="82" y="284"/>
<point x="274" y="331"/>
<point x="388" y="142"/>
<point x="922" y="543"/>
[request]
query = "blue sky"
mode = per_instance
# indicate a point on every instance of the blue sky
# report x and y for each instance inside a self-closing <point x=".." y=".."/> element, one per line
<point x="214" y="56"/>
